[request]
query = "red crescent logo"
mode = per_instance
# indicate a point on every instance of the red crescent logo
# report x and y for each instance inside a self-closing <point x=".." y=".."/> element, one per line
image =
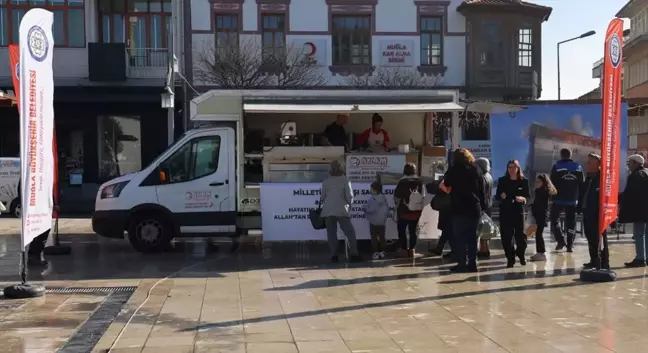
<point x="313" y="48"/>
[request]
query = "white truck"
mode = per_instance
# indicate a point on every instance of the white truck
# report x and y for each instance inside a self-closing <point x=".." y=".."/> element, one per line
<point x="9" y="181"/>
<point x="203" y="184"/>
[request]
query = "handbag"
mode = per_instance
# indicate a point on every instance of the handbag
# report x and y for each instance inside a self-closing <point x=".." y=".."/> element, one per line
<point x="317" y="221"/>
<point x="440" y="202"/>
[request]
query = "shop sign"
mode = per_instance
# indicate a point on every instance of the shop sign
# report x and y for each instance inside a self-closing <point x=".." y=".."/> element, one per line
<point x="396" y="53"/>
<point x="479" y="149"/>
<point x="285" y="209"/>
<point x="311" y="49"/>
<point x="363" y="168"/>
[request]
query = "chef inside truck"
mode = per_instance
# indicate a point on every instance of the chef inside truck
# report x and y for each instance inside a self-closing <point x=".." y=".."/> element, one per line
<point x="374" y="139"/>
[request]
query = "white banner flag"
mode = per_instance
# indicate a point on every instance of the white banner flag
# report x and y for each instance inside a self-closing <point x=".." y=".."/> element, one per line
<point x="36" y="123"/>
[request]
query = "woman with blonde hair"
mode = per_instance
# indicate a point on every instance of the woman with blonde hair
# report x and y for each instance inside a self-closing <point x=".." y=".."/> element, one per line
<point x="464" y="181"/>
<point x="513" y="193"/>
<point x="336" y="199"/>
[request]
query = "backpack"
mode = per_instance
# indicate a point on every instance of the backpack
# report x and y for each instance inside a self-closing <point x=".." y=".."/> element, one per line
<point x="415" y="200"/>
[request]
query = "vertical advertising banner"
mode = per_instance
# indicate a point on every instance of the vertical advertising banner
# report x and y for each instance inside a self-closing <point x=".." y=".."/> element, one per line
<point x="14" y="66"/>
<point x="36" y="123"/>
<point x="611" y="124"/>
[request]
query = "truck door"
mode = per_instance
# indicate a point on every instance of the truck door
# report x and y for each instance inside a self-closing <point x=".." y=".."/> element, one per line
<point x="200" y="188"/>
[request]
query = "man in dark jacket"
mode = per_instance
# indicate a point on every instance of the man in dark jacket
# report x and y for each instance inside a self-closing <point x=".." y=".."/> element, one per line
<point x="589" y="206"/>
<point x="634" y="207"/>
<point x="568" y="177"/>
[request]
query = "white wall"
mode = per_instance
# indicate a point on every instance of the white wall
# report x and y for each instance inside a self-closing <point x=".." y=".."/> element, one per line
<point x="312" y="16"/>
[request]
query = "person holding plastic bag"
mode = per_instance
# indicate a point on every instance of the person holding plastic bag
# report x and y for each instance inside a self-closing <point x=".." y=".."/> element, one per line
<point x="544" y="189"/>
<point x="464" y="181"/>
<point x="513" y="193"/>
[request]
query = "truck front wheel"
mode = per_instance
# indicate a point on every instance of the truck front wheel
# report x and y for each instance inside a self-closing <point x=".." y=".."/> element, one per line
<point x="150" y="232"/>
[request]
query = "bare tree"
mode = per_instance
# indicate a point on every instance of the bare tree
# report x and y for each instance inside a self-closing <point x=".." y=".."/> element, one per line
<point x="249" y="66"/>
<point x="393" y="77"/>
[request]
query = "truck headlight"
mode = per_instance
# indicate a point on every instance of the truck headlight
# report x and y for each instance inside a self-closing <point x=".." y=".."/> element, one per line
<point x="113" y="190"/>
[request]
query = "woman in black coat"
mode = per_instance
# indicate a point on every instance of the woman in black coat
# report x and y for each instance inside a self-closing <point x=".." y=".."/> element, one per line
<point x="464" y="182"/>
<point x="513" y="193"/>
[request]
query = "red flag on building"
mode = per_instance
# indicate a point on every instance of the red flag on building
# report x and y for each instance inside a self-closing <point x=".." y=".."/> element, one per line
<point x="611" y="124"/>
<point x="14" y="60"/>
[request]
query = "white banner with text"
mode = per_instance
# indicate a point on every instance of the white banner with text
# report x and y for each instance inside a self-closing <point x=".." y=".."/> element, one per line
<point x="285" y="213"/>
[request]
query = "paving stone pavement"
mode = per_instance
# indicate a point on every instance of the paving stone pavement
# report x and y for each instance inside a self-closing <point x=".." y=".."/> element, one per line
<point x="282" y="301"/>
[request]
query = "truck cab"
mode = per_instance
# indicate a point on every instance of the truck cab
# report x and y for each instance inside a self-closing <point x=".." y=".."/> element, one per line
<point x="189" y="190"/>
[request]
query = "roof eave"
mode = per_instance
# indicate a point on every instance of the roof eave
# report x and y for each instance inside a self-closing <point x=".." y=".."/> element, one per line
<point x="543" y="11"/>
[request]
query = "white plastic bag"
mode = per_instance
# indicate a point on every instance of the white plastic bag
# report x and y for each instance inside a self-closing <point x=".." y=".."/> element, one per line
<point x="530" y="226"/>
<point x="487" y="229"/>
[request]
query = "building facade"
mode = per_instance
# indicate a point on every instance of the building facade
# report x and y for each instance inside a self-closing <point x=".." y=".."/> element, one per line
<point x="486" y="49"/>
<point x="110" y="64"/>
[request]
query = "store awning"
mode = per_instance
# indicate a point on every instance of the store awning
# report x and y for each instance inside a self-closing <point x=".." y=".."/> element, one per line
<point x="297" y="108"/>
<point x="492" y="107"/>
<point x="351" y="108"/>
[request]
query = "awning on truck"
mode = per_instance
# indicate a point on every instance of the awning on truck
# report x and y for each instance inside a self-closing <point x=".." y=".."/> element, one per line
<point x="350" y="108"/>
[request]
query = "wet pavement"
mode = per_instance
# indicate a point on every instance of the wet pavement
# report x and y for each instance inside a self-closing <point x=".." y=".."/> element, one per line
<point x="289" y="298"/>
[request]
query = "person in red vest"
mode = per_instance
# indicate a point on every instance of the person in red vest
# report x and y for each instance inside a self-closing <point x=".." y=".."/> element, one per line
<point x="375" y="138"/>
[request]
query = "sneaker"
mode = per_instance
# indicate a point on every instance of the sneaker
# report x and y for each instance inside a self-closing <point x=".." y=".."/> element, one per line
<point x="588" y="266"/>
<point x="570" y="249"/>
<point x="522" y="261"/>
<point x="381" y="254"/>
<point x="376" y="256"/>
<point x="560" y="246"/>
<point x="510" y="263"/>
<point x="539" y="257"/>
<point x="636" y="263"/>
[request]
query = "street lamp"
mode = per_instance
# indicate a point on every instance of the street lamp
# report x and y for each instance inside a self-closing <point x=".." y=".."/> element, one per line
<point x="586" y="34"/>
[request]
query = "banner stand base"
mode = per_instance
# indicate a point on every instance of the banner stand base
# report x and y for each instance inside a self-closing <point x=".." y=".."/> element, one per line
<point x="24" y="291"/>
<point x="57" y="250"/>
<point x="595" y="275"/>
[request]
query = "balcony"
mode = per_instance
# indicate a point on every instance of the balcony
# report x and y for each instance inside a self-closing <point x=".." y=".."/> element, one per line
<point x="147" y="62"/>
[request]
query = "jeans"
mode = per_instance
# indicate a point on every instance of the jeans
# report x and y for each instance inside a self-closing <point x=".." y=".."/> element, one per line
<point x="465" y="234"/>
<point x="570" y="223"/>
<point x="512" y="227"/>
<point x="597" y="256"/>
<point x="540" y="243"/>
<point x="377" y="233"/>
<point x="640" y="230"/>
<point x="347" y="228"/>
<point x="404" y="226"/>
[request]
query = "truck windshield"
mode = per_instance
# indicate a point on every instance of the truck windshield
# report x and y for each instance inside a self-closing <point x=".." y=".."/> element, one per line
<point x="155" y="161"/>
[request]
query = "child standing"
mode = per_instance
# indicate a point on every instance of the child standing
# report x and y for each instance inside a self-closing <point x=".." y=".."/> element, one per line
<point x="544" y="189"/>
<point x="377" y="212"/>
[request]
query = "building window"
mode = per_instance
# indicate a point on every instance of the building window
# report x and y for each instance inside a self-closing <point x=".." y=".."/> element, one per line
<point x="273" y="34"/>
<point x="431" y="40"/>
<point x="227" y="31"/>
<point x="525" y="47"/>
<point x="138" y="23"/>
<point x="69" y="23"/>
<point x="351" y="40"/>
<point x="120" y="148"/>
<point x="491" y="44"/>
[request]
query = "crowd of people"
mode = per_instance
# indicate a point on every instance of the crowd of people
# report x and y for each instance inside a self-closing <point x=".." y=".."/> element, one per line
<point x="464" y="197"/>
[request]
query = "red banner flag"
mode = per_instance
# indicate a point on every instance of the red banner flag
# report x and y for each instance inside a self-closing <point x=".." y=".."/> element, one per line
<point x="14" y="60"/>
<point x="611" y="125"/>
